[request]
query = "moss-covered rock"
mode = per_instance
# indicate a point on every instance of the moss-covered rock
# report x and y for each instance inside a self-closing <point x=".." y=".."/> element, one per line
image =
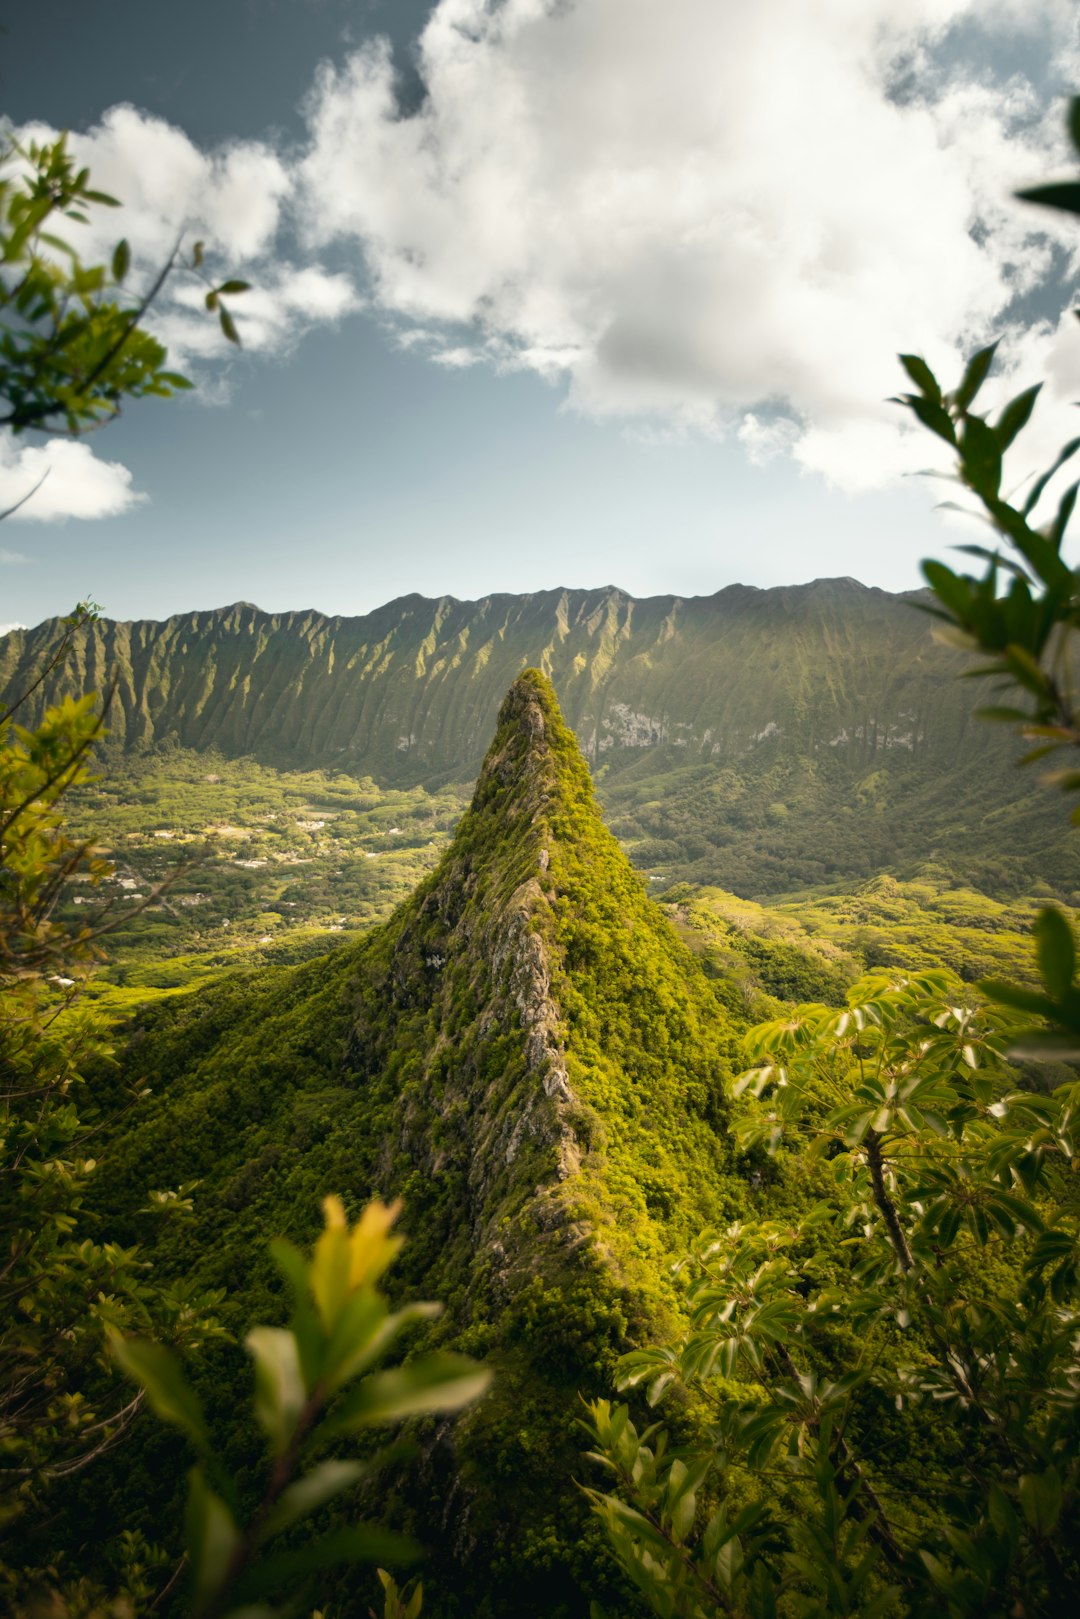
<point x="528" y="1054"/>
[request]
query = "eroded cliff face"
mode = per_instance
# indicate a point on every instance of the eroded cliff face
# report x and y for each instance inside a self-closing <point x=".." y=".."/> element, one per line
<point x="513" y="1098"/>
<point x="411" y="691"/>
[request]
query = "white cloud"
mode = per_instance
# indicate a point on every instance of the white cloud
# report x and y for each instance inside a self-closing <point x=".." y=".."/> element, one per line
<point x="76" y="483"/>
<point x="693" y="211"/>
<point x="698" y="217"/>
<point x="236" y="200"/>
<point x="9" y="559"/>
<point x="6" y="629"/>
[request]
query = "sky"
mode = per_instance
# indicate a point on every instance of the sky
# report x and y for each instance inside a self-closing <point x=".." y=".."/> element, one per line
<point x="544" y="292"/>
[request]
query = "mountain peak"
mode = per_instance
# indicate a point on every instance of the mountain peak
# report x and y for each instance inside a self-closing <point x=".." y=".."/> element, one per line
<point x="534" y="765"/>
<point x="531" y="1058"/>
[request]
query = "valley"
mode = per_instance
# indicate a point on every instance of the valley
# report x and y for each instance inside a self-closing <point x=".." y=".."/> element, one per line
<point x="789" y="748"/>
<point x="368" y="972"/>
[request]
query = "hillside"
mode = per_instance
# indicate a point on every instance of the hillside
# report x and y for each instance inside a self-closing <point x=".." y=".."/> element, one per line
<point x="528" y="1054"/>
<point x="756" y="740"/>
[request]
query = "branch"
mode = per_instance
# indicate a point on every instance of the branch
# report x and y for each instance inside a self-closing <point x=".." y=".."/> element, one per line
<point x="885" y="1204"/>
<point x="11" y="510"/>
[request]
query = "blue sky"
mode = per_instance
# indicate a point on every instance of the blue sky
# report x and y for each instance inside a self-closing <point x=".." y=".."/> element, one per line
<point x="551" y="295"/>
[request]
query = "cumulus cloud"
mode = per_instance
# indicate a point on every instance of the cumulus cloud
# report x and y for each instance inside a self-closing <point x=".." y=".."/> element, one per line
<point x="696" y="217"/>
<point x="236" y="199"/>
<point x="727" y="218"/>
<point x="71" y="482"/>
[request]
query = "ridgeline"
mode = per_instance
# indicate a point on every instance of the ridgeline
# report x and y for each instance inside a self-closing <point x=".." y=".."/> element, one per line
<point x="412" y="689"/>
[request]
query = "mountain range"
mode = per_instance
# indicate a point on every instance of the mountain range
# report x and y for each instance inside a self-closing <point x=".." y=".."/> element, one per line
<point x="411" y="690"/>
<point x="764" y="740"/>
<point x="527" y="1052"/>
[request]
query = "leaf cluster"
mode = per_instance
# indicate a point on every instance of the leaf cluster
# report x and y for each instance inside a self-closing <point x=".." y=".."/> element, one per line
<point x="950" y="1297"/>
<point x="314" y="1386"/>
<point x="72" y="345"/>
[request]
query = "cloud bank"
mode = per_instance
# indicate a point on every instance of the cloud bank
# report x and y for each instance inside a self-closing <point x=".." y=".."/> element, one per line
<point x="727" y="218"/>
<point x="694" y="217"/>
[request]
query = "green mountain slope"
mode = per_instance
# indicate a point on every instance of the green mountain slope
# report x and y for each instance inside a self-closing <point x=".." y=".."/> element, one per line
<point x="525" y="1052"/>
<point x="758" y="740"/>
<point x="413" y="688"/>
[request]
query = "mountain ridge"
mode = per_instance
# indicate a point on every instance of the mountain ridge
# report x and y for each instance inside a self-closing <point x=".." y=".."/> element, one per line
<point x="532" y="1059"/>
<point x="387" y="688"/>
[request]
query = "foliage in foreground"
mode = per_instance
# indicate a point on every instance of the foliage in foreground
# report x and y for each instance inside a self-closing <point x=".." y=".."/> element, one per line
<point x="72" y="348"/>
<point x="60" y="1408"/>
<point x="892" y="1380"/>
<point x="953" y="1212"/>
<point x="314" y="1386"/>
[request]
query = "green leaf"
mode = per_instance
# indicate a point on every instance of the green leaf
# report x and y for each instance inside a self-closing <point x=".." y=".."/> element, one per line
<point x="933" y="416"/>
<point x="1014" y="418"/>
<point x="1045" y="1045"/>
<point x="363" y="1332"/>
<point x="437" y="1382"/>
<point x="1025" y="670"/>
<point x="363" y="1543"/>
<point x="1072" y="121"/>
<point x="1040" y="1498"/>
<point x="980" y="456"/>
<point x="949" y="588"/>
<point x="280" y="1393"/>
<point x="309" y="1493"/>
<point x="1016" y="997"/>
<point x="212" y="1537"/>
<point x="1056" y="952"/>
<point x="1065" y="454"/>
<point x="121" y="260"/>
<point x="197" y="255"/>
<point x="233" y="287"/>
<point x="158" y="1371"/>
<point x="1003" y="715"/>
<point x="1062" y="516"/>
<point x="228" y="326"/>
<point x="974" y="377"/>
<point x="922" y="376"/>
<point x="1063" y="194"/>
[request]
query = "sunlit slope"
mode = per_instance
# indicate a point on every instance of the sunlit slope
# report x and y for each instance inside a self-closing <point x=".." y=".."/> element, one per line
<point x="415" y="686"/>
<point x="531" y="1058"/>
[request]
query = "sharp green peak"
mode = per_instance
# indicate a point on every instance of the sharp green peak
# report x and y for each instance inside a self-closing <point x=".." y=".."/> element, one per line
<point x="530" y="1057"/>
<point x="534" y="767"/>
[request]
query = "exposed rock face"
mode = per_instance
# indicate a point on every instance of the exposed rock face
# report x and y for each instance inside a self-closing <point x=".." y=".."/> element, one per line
<point x="493" y="931"/>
